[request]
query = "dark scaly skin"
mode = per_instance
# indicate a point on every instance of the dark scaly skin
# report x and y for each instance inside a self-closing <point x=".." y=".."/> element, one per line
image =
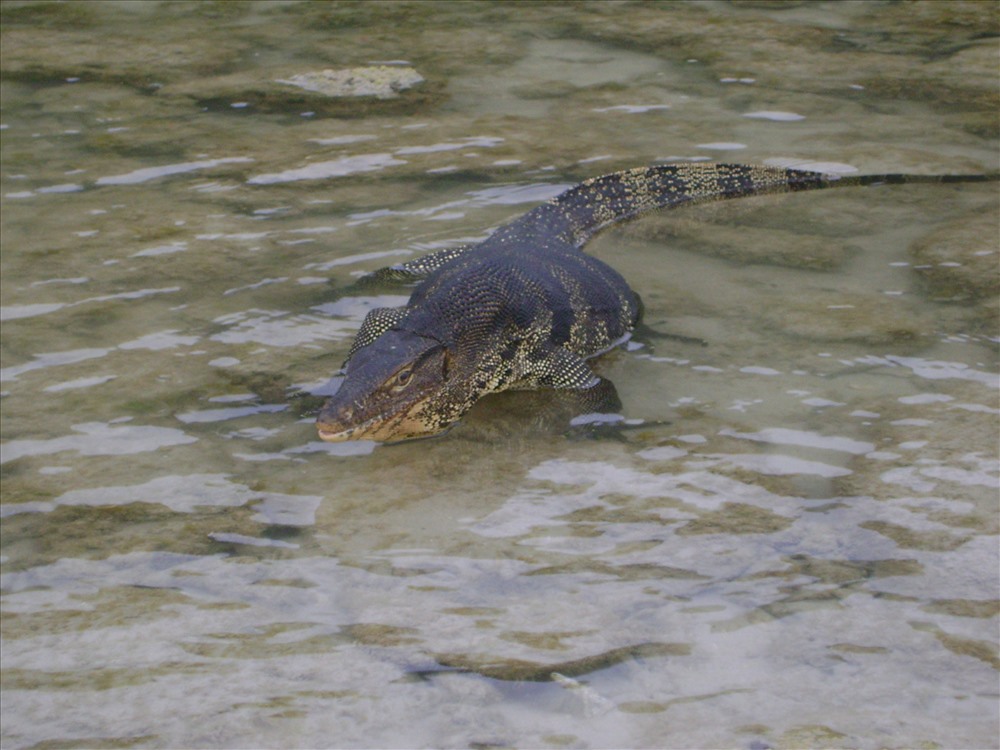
<point x="525" y="308"/>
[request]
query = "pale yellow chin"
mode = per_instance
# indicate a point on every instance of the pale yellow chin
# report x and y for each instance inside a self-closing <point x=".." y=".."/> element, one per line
<point x="381" y="429"/>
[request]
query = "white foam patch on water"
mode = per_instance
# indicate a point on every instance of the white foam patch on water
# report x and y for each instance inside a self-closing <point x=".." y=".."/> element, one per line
<point x="774" y="115"/>
<point x="785" y="436"/>
<point x="152" y="173"/>
<point x="352" y="259"/>
<point x="54" y="470"/>
<point x="14" y="312"/>
<point x="775" y="464"/>
<point x="99" y="439"/>
<point x="253" y="433"/>
<point x="821" y="403"/>
<point x="66" y="187"/>
<point x="137" y="294"/>
<point x="722" y="146"/>
<point x="323" y="170"/>
<point x="355" y="308"/>
<point x="342" y="140"/>
<point x="502" y="195"/>
<point x="983" y="408"/>
<point x="987" y="478"/>
<point x="967" y="572"/>
<point x="593" y="482"/>
<point x="53" y="359"/>
<point x="348" y="448"/>
<point x="470" y="142"/>
<point x="514" y="195"/>
<point x="279" y="328"/>
<point x="926" y="398"/>
<point x="71" y="385"/>
<point x="235" y="412"/>
<point x="73" y="280"/>
<point x="345" y="449"/>
<point x="168" y="249"/>
<point x="934" y="369"/>
<point x="159" y="341"/>
<point x="313" y="230"/>
<point x="633" y="109"/>
<point x="287" y="510"/>
<point x="239" y="236"/>
<point x="572" y="545"/>
<point x="256" y="285"/>
<point x="186" y="494"/>
<point x="663" y="453"/>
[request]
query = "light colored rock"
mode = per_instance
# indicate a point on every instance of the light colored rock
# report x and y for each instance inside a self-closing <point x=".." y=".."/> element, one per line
<point x="379" y="81"/>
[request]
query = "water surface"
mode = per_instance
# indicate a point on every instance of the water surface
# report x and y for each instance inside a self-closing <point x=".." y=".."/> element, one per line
<point x="792" y="539"/>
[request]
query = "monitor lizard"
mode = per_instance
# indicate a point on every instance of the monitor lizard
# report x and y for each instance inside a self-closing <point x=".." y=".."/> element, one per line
<point x="525" y="308"/>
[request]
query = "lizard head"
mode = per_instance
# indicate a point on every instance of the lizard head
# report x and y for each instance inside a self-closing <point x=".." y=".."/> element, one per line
<point x="387" y="391"/>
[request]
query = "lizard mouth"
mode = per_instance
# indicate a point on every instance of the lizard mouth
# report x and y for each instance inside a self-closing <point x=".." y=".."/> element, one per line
<point x="393" y="428"/>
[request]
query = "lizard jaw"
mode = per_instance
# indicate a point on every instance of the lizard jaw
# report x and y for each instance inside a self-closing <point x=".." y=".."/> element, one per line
<point x="380" y="428"/>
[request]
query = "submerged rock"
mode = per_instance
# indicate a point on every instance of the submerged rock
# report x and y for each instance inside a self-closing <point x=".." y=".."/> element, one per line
<point x="958" y="260"/>
<point x="957" y="263"/>
<point x="380" y="81"/>
<point x="843" y="316"/>
<point x="749" y="245"/>
<point x="351" y="92"/>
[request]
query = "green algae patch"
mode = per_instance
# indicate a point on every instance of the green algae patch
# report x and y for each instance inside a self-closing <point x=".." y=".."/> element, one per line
<point x="108" y="608"/>
<point x="530" y="671"/>
<point x="839" y="572"/>
<point x="112" y="57"/>
<point x="627" y="572"/>
<point x="737" y="518"/>
<point x="642" y="707"/>
<point x="57" y="15"/>
<point x="543" y="641"/>
<point x="985" y="651"/>
<point x="931" y="541"/>
<point x="560" y="740"/>
<point x="111" y="743"/>
<point x="814" y="735"/>
<point x="95" y="679"/>
<point x="263" y="644"/>
<point x="853" y="648"/>
<point x="964" y="607"/>
<point x="379" y="634"/>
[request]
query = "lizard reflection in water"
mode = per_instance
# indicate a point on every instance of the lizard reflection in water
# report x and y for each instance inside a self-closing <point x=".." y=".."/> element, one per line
<point x="525" y="308"/>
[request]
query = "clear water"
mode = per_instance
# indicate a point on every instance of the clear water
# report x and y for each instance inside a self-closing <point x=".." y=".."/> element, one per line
<point x="794" y="541"/>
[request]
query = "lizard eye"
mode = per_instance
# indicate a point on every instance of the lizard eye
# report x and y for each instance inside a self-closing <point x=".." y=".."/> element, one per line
<point x="403" y="378"/>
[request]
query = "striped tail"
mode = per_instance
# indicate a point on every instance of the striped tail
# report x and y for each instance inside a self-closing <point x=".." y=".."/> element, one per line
<point x="593" y="204"/>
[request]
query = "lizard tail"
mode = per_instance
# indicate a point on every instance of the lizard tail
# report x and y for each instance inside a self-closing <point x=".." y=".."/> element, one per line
<point x="586" y="208"/>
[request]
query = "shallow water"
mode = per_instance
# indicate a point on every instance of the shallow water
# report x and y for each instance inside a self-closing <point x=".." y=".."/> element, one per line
<point x="791" y="542"/>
